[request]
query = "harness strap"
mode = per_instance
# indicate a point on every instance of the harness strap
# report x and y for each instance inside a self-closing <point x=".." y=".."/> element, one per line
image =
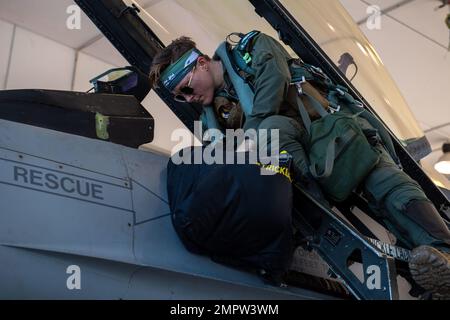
<point x="211" y="120"/>
<point x="316" y="105"/>
<point x="241" y="53"/>
<point x="304" y="114"/>
<point x="242" y="88"/>
<point x="302" y="109"/>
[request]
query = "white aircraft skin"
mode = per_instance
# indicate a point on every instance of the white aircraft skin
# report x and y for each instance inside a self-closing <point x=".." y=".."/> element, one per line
<point x="58" y="241"/>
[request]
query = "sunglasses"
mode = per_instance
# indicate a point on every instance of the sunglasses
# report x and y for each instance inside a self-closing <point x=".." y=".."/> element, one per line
<point x="185" y="90"/>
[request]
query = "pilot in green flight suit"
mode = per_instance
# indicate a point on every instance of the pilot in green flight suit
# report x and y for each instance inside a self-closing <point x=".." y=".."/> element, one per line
<point x="393" y="195"/>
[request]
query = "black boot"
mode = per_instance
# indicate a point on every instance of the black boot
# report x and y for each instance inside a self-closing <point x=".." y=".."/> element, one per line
<point x="430" y="268"/>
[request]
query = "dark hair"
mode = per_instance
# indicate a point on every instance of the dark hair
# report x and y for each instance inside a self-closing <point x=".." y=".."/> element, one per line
<point x="167" y="56"/>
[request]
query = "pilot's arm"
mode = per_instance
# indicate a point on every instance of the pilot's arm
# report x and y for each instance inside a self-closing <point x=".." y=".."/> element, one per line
<point x="271" y="81"/>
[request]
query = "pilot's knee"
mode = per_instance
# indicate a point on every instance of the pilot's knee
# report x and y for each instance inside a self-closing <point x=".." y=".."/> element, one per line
<point x="287" y="127"/>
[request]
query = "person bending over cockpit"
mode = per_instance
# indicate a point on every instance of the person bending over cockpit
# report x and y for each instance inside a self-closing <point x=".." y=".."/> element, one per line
<point x="193" y="77"/>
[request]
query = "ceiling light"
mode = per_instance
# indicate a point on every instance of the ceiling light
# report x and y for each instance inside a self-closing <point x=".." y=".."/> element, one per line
<point x="443" y="164"/>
